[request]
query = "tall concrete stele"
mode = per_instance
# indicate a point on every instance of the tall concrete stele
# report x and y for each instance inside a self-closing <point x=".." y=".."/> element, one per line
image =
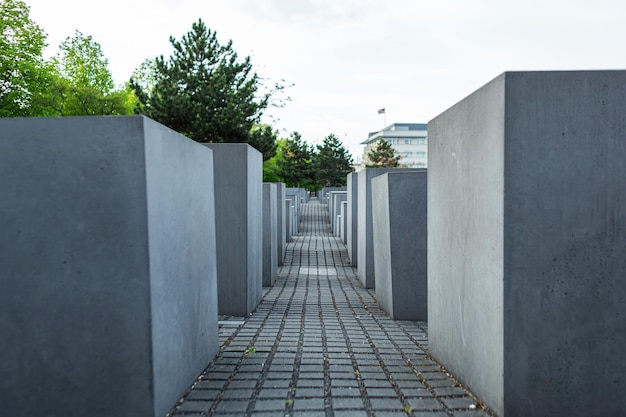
<point x="527" y="243"/>
<point x="365" y="235"/>
<point x="239" y="227"/>
<point x="107" y="266"/>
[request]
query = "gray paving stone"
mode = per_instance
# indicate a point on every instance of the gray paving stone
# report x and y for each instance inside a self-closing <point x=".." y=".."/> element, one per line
<point x="350" y="413"/>
<point x="270" y="404"/>
<point x="424" y="404"/>
<point x="462" y="403"/>
<point x="308" y="404"/>
<point x="295" y="355"/>
<point x="203" y="394"/>
<point x="381" y="392"/>
<point x="386" y="404"/>
<point x="191" y="405"/>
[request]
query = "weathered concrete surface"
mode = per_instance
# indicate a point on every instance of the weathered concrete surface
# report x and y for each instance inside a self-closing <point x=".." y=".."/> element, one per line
<point x="107" y="266"/>
<point x="295" y="195"/>
<point x="239" y="227"/>
<point x="270" y="234"/>
<point x="336" y="197"/>
<point x="527" y="245"/>
<point x="365" y="242"/>
<point x="289" y="216"/>
<point x="282" y="222"/>
<point x="344" y="220"/>
<point x="352" y="228"/>
<point x="400" y="244"/>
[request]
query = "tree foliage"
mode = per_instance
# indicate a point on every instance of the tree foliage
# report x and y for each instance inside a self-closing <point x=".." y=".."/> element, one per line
<point x="383" y="156"/>
<point x="74" y="82"/>
<point x="332" y="163"/>
<point x="294" y="169"/>
<point x="21" y="63"/>
<point x="263" y="139"/>
<point x="204" y="90"/>
<point x="83" y="84"/>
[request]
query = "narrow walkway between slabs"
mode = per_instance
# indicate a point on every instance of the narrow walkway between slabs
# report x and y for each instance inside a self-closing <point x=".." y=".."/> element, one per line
<point x="319" y="345"/>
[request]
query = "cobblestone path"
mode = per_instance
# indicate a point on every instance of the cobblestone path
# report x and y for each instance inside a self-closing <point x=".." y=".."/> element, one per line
<point x="319" y="345"/>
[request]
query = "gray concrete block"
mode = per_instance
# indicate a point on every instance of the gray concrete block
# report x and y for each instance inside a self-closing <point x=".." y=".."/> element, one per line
<point x="344" y="223"/>
<point x="289" y="216"/>
<point x="336" y="197"/>
<point x="239" y="227"/>
<point x="107" y="267"/>
<point x="295" y="195"/>
<point x="400" y="244"/>
<point x="365" y="241"/>
<point x="325" y="193"/>
<point x="352" y="228"/>
<point x="282" y="222"/>
<point x="270" y="234"/>
<point x="526" y="242"/>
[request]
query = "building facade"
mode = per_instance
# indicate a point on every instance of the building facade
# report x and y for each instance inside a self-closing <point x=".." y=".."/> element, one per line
<point x="410" y="140"/>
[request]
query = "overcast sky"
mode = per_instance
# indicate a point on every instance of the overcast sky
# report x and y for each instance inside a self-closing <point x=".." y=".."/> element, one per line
<point x="349" y="58"/>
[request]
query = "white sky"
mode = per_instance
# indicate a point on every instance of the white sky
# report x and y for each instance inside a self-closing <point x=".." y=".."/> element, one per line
<point x="349" y="58"/>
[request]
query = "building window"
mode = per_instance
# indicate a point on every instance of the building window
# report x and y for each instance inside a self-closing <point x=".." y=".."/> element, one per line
<point x="408" y="154"/>
<point x="421" y="141"/>
<point x="420" y="154"/>
<point x="407" y="141"/>
<point x="420" y="165"/>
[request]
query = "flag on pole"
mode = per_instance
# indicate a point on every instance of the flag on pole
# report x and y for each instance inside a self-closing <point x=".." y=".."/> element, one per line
<point x="381" y="111"/>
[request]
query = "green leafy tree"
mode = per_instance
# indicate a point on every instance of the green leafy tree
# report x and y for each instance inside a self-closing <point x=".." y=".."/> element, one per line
<point x="84" y="85"/>
<point x="332" y="163"/>
<point x="294" y="169"/>
<point x="271" y="172"/>
<point x="263" y="139"/>
<point x="22" y="69"/>
<point x="383" y="156"/>
<point x="204" y="90"/>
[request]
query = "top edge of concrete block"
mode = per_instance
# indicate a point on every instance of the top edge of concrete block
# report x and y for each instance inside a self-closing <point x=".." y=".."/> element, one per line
<point x="508" y="75"/>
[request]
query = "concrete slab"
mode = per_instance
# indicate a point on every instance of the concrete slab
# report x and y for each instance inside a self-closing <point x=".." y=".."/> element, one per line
<point x="352" y="228"/>
<point x="107" y="267"/>
<point x="365" y="242"/>
<point x="526" y="242"/>
<point x="270" y="234"/>
<point x="399" y="218"/>
<point x="239" y="227"/>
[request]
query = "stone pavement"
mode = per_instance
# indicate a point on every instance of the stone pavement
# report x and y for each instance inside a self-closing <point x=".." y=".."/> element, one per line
<point x="319" y="345"/>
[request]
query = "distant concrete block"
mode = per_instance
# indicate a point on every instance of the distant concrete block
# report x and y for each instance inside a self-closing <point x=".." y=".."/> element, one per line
<point x="239" y="225"/>
<point x="107" y="266"/>
<point x="344" y="222"/>
<point x="527" y="242"/>
<point x="352" y="229"/>
<point x="295" y="195"/>
<point x="282" y="222"/>
<point x="365" y="241"/>
<point x="270" y="234"/>
<point x="289" y="216"/>
<point x="336" y="197"/>
<point x="399" y="230"/>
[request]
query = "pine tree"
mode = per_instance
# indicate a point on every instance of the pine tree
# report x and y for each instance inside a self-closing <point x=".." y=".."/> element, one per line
<point x="332" y="163"/>
<point x="383" y="156"/>
<point x="263" y="139"/>
<point x="294" y="168"/>
<point x="204" y="90"/>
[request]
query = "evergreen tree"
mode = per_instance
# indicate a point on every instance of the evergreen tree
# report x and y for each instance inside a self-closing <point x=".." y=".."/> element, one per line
<point x="383" y="156"/>
<point x="263" y="139"/>
<point x="203" y="90"/>
<point x="332" y="163"/>
<point x="294" y="168"/>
